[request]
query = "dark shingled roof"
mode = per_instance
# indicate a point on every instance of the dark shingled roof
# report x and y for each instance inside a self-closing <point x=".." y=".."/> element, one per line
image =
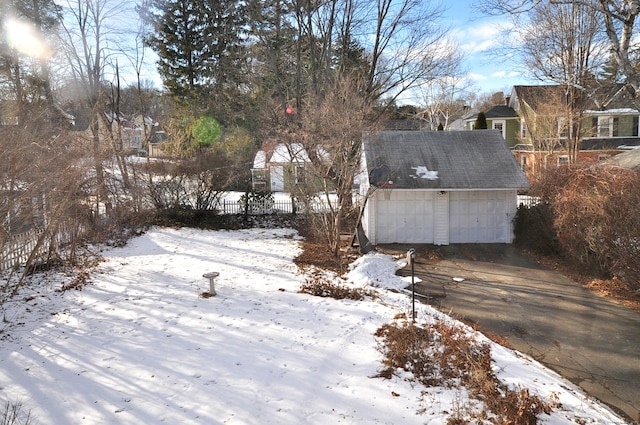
<point x="629" y="160"/>
<point x="608" y="143"/>
<point x="500" y="111"/>
<point x="477" y="159"/>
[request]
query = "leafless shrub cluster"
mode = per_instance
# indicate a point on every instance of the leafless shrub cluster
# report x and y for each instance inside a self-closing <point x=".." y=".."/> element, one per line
<point x="321" y="287"/>
<point x="445" y="355"/>
<point x="14" y="414"/>
<point x="594" y="215"/>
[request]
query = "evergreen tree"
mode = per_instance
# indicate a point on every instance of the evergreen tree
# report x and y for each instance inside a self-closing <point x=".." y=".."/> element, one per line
<point x="481" y="122"/>
<point x="24" y="70"/>
<point x="200" y="45"/>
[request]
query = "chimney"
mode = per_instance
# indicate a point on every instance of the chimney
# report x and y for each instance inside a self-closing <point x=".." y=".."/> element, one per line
<point x="506" y="100"/>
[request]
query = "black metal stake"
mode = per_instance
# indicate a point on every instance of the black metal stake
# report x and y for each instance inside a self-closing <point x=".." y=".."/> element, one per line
<point x="411" y="256"/>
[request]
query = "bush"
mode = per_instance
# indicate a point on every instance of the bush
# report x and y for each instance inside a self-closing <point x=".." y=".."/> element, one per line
<point x="446" y="355"/>
<point x="593" y="216"/>
<point x="257" y="203"/>
<point x="320" y="287"/>
<point x="533" y="228"/>
<point x="14" y="414"/>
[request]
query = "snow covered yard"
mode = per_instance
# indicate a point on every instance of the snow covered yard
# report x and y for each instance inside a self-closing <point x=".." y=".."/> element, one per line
<point x="140" y="345"/>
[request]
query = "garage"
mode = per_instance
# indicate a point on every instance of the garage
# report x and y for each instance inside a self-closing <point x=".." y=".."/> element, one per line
<point x="481" y="216"/>
<point x="439" y="187"/>
<point x="405" y="217"/>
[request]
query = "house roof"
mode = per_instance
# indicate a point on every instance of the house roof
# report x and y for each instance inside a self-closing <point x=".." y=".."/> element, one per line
<point x="537" y="96"/>
<point x="441" y="160"/>
<point x="289" y="152"/>
<point x="605" y="99"/>
<point x="629" y="160"/>
<point x="285" y="153"/>
<point x="495" y="112"/>
<point x="500" y="111"/>
<point x="609" y="143"/>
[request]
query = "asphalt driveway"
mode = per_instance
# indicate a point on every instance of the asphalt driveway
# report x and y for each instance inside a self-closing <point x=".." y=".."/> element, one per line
<point x="589" y="340"/>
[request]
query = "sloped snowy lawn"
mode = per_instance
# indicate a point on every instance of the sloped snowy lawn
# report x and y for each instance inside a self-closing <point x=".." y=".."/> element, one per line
<point x="140" y="345"/>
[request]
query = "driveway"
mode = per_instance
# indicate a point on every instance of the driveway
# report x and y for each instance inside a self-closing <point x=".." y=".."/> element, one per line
<point x="589" y="340"/>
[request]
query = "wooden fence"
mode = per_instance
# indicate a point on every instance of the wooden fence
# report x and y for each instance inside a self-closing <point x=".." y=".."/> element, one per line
<point x="16" y="249"/>
<point x="528" y="201"/>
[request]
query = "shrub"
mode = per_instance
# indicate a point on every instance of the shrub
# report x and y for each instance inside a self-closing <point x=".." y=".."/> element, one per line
<point x="446" y="355"/>
<point x="594" y="218"/>
<point x="533" y="229"/>
<point x="257" y="203"/>
<point x="14" y="414"/>
<point x="318" y="286"/>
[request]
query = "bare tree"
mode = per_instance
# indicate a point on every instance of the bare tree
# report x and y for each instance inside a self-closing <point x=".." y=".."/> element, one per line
<point x="444" y="98"/>
<point x="564" y="43"/>
<point x="617" y="18"/>
<point x="86" y="38"/>
<point x="332" y="67"/>
<point x="331" y="132"/>
<point x="545" y="124"/>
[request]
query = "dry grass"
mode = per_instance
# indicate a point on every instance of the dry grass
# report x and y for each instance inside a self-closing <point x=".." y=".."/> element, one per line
<point x="446" y="355"/>
<point x="321" y="287"/>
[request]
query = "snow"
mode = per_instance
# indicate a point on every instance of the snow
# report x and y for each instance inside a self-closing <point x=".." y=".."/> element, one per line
<point x="614" y="111"/>
<point x="139" y="344"/>
<point x="424" y="173"/>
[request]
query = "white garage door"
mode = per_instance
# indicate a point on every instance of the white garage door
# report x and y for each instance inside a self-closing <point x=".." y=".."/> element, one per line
<point x="480" y="217"/>
<point x="407" y="217"/>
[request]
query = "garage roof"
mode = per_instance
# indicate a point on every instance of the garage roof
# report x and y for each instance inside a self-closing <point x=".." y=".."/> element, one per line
<point x="477" y="159"/>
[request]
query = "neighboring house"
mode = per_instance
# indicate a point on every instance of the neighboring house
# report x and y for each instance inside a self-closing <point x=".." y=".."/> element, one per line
<point x="280" y="168"/>
<point x="439" y="187"/>
<point x="502" y="118"/>
<point x="459" y="123"/>
<point x="134" y="134"/>
<point x="607" y="129"/>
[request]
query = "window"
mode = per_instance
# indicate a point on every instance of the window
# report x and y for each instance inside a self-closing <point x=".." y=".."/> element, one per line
<point x="563" y="160"/>
<point x="500" y="125"/>
<point x="594" y="127"/>
<point x="523" y="129"/>
<point x="635" y="126"/>
<point x="300" y="174"/>
<point x="523" y="162"/>
<point x="604" y="126"/>
<point x="562" y="127"/>
<point x="602" y="157"/>
<point x="259" y="178"/>
<point x="614" y="129"/>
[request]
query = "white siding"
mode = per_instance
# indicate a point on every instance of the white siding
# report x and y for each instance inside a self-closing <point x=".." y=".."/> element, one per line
<point x="441" y="223"/>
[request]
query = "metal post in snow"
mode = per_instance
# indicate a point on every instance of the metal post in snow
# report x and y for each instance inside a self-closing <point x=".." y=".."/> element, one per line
<point x="411" y="256"/>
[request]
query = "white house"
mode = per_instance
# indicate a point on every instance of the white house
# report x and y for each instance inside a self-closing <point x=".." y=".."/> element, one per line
<point x="281" y="167"/>
<point x="439" y="187"/>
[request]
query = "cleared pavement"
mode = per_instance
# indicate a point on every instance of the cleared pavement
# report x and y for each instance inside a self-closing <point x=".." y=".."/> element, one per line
<point x="589" y="340"/>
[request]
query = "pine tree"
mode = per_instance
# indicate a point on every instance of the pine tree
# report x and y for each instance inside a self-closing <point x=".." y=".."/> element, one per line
<point x="481" y="122"/>
<point x="200" y="44"/>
